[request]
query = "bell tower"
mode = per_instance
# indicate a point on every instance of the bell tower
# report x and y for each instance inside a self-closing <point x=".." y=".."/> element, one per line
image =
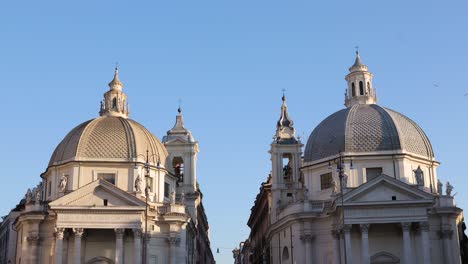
<point x="183" y="150"/>
<point x="286" y="153"/>
<point x="360" y="88"/>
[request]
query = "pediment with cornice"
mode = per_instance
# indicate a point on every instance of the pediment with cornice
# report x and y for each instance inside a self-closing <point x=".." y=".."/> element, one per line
<point x="98" y="194"/>
<point x="385" y="189"/>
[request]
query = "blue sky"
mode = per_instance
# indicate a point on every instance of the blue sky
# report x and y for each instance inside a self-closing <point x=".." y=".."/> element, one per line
<point x="228" y="62"/>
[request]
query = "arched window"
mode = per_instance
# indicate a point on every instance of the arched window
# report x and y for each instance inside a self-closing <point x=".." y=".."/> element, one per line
<point x="285" y="254"/>
<point x="114" y="103"/>
<point x="178" y="165"/>
<point x="361" y="88"/>
<point x="287" y="167"/>
<point x="353" y="90"/>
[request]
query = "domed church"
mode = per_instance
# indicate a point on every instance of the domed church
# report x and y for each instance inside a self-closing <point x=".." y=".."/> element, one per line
<point x="365" y="190"/>
<point x="113" y="193"/>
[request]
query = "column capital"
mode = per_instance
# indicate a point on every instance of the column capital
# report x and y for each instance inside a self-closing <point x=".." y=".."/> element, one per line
<point x="78" y="232"/>
<point x="173" y="241"/>
<point x="347" y="228"/>
<point x="364" y="228"/>
<point x="445" y="233"/>
<point x="405" y="226"/>
<point x="119" y="232"/>
<point x="307" y="238"/>
<point x="59" y="232"/>
<point x="33" y="238"/>
<point x="335" y="233"/>
<point x="137" y="232"/>
<point x="424" y="226"/>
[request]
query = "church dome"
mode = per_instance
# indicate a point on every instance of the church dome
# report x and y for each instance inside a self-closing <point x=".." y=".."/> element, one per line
<point x="364" y="128"/>
<point x="108" y="138"/>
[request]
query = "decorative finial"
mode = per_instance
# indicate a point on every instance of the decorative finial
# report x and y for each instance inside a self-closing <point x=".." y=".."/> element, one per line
<point x="117" y="66"/>
<point x="179" y="110"/>
<point x="357" y="50"/>
<point x="285" y="127"/>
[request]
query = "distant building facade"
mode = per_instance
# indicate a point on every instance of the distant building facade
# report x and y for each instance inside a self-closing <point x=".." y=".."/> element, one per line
<point x="365" y="190"/>
<point x="113" y="193"/>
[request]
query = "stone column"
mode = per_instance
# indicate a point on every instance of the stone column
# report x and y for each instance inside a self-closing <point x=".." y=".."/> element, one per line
<point x="336" y="246"/>
<point x="173" y="242"/>
<point x="347" y="238"/>
<point x="147" y="245"/>
<point x="426" y="243"/>
<point x="33" y="251"/>
<point x="137" y="243"/>
<point x="119" y="234"/>
<point x="365" y="243"/>
<point x="446" y="234"/>
<point x="307" y="238"/>
<point x="59" y="245"/>
<point x="77" y="252"/>
<point x="342" y="247"/>
<point x="407" y="252"/>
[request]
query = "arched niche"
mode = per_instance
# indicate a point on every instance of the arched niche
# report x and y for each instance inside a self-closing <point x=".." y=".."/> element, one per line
<point x="384" y="258"/>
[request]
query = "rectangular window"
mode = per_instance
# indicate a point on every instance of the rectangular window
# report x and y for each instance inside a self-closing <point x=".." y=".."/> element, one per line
<point x="110" y="177"/>
<point x="326" y="181"/>
<point x="167" y="187"/>
<point x="49" y="188"/>
<point x="372" y="173"/>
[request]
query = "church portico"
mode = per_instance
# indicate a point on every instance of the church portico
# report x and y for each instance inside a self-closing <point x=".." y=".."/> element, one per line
<point x="87" y="245"/>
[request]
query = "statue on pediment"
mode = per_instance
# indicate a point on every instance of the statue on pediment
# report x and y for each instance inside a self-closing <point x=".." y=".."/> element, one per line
<point x="448" y="189"/>
<point x="334" y="186"/>
<point x="29" y="196"/>
<point x="439" y="187"/>
<point x="138" y="184"/>
<point x="37" y="196"/>
<point x="63" y="183"/>
<point x="418" y="174"/>
<point x="344" y="181"/>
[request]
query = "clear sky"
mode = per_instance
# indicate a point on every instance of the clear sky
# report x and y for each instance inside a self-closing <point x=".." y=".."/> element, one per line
<point x="228" y="61"/>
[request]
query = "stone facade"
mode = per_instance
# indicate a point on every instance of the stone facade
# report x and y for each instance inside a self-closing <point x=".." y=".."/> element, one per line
<point x="365" y="191"/>
<point x="113" y="193"/>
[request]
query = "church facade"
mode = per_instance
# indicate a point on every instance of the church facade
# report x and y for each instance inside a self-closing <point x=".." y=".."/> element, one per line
<point x="365" y="190"/>
<point x="113" y="193"/>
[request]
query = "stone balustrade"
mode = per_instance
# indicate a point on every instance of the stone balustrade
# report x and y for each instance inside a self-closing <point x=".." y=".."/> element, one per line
<point x="171" y="208"/>
<point x="310" y="206"/>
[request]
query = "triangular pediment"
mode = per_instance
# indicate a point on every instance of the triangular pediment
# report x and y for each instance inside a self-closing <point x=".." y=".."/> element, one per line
<point x="177" y="141"/>
<point x="94" y="195"/>
<point x="386" y="189"/>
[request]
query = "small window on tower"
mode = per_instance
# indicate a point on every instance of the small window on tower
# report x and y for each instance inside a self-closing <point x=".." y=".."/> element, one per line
<point x="353" y="90"/>
<point x="361" y="88"/>
<point x="167" y="187"/>
<point x="178" y="164"/>
<point x="372" y="173"/>
<point x="49" y="188"/>
<point x="325" y="181"/>
<point x="287" y="168"/>
<point x="114" y="103"/>
<point x="110" y="177"/>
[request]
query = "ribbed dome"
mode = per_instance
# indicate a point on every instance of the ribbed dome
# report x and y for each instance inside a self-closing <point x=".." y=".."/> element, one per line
<point x="366" y="128"/>
<point x="108" y="138"/>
